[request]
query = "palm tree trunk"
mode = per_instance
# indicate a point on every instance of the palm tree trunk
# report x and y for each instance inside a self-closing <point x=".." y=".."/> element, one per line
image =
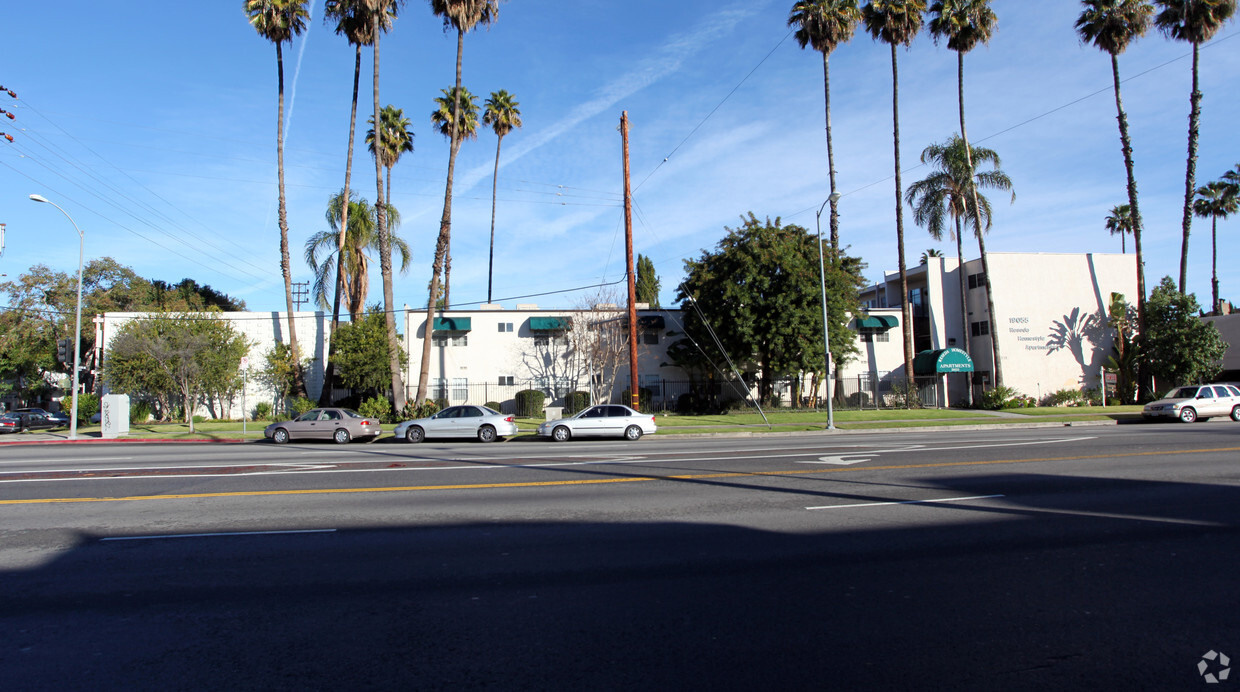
<point x="1134" y="210"/>
<point x="385" y="253"/>
<point x="445" y="227"/>
<point x="1214" y="265"/>
<point x="299" y="380"/>
<point x="964" y="306"/>
<point x="494" y="191"/>
<point x="977" y="222"/>
<point x="835" y="212"/>
<point x="1194" y="119"/>
<point x="906" y="308"/>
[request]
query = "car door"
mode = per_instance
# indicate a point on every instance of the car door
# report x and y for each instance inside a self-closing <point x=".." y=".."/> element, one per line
<point x="1205" y="403"/>
<point x="471" y="417"/>
<point x="446" y="423"/>
<point x="305" y="426"/>
<point x="590" y="422"/>
<point x="1222" y="401"/>
<point x="328" y="421"/>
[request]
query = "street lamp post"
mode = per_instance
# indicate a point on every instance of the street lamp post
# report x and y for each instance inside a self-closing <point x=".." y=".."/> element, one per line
<point x="826" y="341"/>
<point x="77" y="341"/>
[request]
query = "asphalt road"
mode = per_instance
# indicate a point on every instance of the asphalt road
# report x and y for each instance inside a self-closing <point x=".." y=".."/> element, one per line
<point x="1067" y="558"/>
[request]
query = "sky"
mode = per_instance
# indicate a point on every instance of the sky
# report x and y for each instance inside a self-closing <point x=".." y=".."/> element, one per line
<point x="154" y="126"/>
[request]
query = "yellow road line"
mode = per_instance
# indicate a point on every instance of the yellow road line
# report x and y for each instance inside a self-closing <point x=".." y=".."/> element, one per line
<point x="601" y="481"/>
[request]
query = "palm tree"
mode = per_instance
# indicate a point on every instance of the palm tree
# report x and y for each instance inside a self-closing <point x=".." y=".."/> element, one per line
<point x="354" y="22"/>
<point x="930" y="252"/>
<point x="325" y="259"/>
<point x="1193" y="21"/>
<point x="466" y="106"/>
<point x="1214" y="201"/>
<point x="966" y="23"/>
<point x="896" y="22"/>
<point x="824" y="25"/>
<point x="502" y="113"/>
<point x="397" y="139"/>
<point x="947" y="192"/>
<point x="464" y="16"/>
<point x="279" y="21"/>
<point x="1119" y="222"/>
<point x="1111" y="25"/>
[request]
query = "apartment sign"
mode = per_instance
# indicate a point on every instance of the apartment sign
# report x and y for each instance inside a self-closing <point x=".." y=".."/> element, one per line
<point x="1019" y="327"/>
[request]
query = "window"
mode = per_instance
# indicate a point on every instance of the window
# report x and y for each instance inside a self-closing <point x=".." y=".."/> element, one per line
<point x="507" y="380"/>
<point x="460" y="388"/>
<point x="650" y="338"/>
<point x="979" y="328"/>
<point x="549" y="340"/>
<point x="874" y="336"/>
<point x="446" y="340"/>
<point x="505" y="326"/>
<point x="653" y="383"/>
<point x="977" y="280"/>
<point x="438" y="389"/>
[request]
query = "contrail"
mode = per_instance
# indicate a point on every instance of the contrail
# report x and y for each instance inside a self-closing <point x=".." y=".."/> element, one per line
<point x="301" y="53"/>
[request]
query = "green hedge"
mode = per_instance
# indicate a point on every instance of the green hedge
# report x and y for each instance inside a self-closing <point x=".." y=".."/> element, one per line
<point x="530" y="403"/>
<point x="576" y="401"/>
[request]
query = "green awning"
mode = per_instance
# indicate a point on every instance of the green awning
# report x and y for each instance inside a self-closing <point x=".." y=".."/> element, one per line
<point x="942" y="360"/>
<point x="550" y="324"/>
<point x="452" y="324"/>
<point x="877" y="322"/>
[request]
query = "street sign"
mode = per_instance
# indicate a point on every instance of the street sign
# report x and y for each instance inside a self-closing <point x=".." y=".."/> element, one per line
<point x="1110" y="378"/>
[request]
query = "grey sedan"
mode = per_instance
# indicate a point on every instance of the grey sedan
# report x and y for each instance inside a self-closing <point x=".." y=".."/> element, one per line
<point x="339" y="424"/>
<point x="607" y="420"/>
<point x="485" y="424"/>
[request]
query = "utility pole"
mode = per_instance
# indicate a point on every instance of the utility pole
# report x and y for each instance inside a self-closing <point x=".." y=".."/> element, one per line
<point x="299" y="293"/>
<point x="635" y="398"/>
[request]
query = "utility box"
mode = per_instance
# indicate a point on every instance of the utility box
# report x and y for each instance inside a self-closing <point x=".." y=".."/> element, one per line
<point x="114" y="416"/>
<point x="554" y="412"/>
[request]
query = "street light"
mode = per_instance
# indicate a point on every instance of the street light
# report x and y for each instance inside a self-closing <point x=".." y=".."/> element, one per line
<point x="826" y="341"/>
<point x="77" y="342"/>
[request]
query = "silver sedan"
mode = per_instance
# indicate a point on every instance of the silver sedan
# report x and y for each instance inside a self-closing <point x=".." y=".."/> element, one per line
<point x="604" y="420"/>
<point x="485" y="424"/>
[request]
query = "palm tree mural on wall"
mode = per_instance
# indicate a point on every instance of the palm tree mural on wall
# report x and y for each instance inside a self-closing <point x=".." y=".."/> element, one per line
<point x="503" y="114"/>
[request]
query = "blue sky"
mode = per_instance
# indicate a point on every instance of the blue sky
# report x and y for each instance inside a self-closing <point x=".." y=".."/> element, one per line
<point x="153" y="124"/>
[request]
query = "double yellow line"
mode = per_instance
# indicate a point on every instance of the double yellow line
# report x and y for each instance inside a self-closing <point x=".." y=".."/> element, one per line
<point x="602" y="481"/>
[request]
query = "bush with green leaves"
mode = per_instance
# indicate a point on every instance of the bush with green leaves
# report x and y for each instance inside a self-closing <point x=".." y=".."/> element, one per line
<point x="576" y="401"/>
<point x="87" y="406"/>
<point x="377" y="407"/>
<point x="997" y="398"/>
<point x="139" y="411"/>
<point x="426" y="409"/>
<point x="495" y="405"/>
<point x="645" y="397"/>
<point x="262" y="410"/>
<point x="530" y="403"/>
<point x="299" y="405"/>
<point x="199" y="419"/>
<point x="1065" y="397"/>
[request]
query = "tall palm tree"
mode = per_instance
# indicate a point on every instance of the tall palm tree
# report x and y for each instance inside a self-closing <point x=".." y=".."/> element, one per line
<point x="503" y="114"/>
<point x="1195" y="22"/>
<point x="824" y="25"/>
<point x="465" y="105"/>
<point x="1214" y="201"/>
<point x="1119" y="222"/>
<point x="354" y="22"/>
<point x="463" y="16"/>
<point x="396" y="140"/>
<point x="966" y="23"/>
<point x="325" y="259"/>
<point x="279" y="21"/>
<point x="896" y="22"/>
<point x="1111" y="25"/>
<point x="930" y="252"/>
<point x="951" y="191"/>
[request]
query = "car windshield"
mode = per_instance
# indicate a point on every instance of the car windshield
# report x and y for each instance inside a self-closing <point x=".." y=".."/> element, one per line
<point x="1183" y="393"/>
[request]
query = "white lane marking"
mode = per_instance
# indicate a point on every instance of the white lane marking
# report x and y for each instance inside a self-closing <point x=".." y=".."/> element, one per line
<point x="842" y="459"/>
<point x="213" y="535"/>
<point x="74" y="459"/>
<point x="907" y="502"/>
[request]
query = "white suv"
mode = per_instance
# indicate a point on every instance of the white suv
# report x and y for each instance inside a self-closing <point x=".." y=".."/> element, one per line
<point x="1197" y="402"/>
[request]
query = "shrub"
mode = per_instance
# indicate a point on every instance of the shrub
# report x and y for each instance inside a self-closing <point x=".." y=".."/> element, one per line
<point x="575" y="401"/>
<point x="997" y="398"/>
<point x="139" y="412"/>
<point x="904" y="395"/>
<point x="300" y="405"/>
<point x="88" y="405"/>
<point x="493" y="405"/>
<point x="199" y="419"/>
<point x="414" y="411"/>
<point x="1065" y="397"/>
<point x="262" y="410"/>
<point x="645" y="398"/>
<point x="377" y="407"/>
<point x="530" y="403"/>
<point x="859" y="399"/>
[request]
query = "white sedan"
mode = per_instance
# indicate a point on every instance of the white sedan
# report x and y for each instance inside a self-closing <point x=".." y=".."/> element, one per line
<point x="1196" y="402"/>
<point x="606" y="420"/>
<point x="485" y="424"/>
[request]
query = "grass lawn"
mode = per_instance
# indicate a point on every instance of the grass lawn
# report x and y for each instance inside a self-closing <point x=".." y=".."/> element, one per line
<point x="1104" y="411"/>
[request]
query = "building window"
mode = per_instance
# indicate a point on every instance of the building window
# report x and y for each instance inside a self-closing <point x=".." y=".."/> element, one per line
<point x="438" y="390"/>
<point x="507" y="380"/>
<point x="977" y="280"/>
<point x="505" y="326"/>
<point x="650" y="338"/>
<point x="979" y="328"/>
<point x="550" y="340"/>
<point x="653" y="383"/>
<point x="445" y="340"/>
<point x="874" y="335"/>
<point x="460" y="388"/>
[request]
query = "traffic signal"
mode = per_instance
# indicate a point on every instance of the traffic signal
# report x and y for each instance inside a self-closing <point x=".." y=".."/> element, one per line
<point x="62" y="350"/>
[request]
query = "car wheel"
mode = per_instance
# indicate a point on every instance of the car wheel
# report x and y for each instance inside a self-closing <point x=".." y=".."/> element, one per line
<point x="341" y="436"/>
<point x="486" y="434"/>
<point x="1235" y="413"/>
<point x="632" y="432"/>
<point x="280" y="436"/>
<point x="414" y="434"/>
<point x="1187" y="415"/>
<point x="561" y="434"/>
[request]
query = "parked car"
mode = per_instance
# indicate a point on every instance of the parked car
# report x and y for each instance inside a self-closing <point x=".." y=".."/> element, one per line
<point x="10" y="423"/>
<point x="605" y="420"/>
<point x="39" y="419"/>
<point x="340" y="424"/>
<point x="481" y="422"/>
<point x="1196" y="402"/>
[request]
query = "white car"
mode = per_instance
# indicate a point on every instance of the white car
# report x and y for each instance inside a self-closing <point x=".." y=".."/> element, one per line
<point x="1196" y="402"/>
<point x="485" y="424"/>
<point x="604" y="420"/>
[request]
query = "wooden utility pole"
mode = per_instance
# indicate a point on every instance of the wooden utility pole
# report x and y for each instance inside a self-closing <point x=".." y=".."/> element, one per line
<point x="628" y="267"/>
